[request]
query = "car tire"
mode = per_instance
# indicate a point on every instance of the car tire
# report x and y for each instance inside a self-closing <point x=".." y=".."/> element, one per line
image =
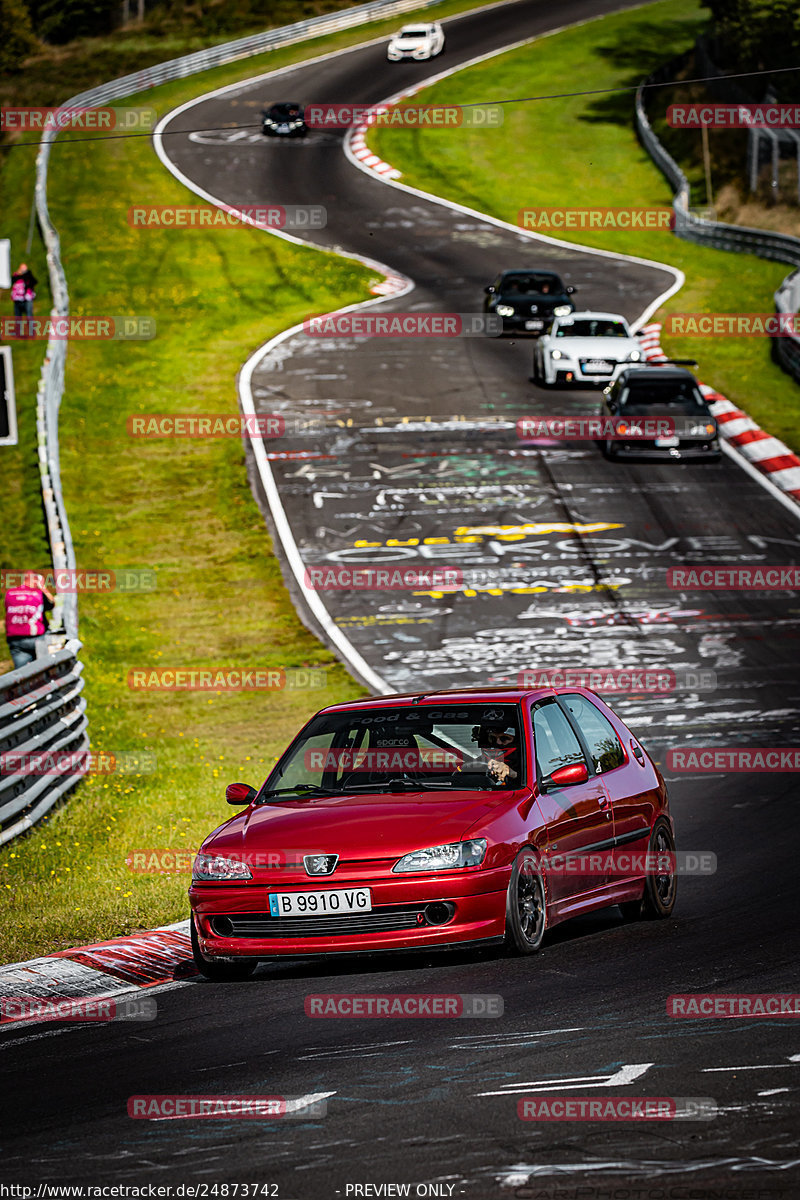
<point x="658" y="896"/>
<point x="219" y="972"/>
<point x="609" y="450"/>
<point x="526" y="908"/>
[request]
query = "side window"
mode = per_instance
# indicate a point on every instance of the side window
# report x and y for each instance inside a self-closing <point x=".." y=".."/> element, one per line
<point x="599" y="733"/>
<point x="554" y="739"/>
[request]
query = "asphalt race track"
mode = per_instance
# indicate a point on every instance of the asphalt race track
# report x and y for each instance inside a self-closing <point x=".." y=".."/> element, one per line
<point x="412" y="451"/>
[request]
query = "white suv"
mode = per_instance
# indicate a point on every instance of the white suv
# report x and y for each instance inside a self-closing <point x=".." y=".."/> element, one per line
<point x="418" y="42"/>
<point x="585" y="347"/>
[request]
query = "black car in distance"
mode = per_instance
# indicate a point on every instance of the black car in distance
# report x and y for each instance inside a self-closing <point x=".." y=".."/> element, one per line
<point x="528" y="301"/>
<point x="284" y="119"/>
<point x="660" y="392"/>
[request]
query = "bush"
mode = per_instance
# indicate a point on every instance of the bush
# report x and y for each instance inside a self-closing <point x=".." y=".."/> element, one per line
<point x="59" y="21"/>
<point x="18" y="41"/>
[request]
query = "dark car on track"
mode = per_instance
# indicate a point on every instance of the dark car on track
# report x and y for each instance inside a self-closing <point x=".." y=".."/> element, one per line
<point x="654" y="392"/>
<point x="528" y="300"/>
<point x="435" y="820"/>
<point x="284" y="119"/>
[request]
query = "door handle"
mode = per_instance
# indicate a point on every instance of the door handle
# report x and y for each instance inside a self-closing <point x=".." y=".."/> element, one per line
<point x="638" y="753"/>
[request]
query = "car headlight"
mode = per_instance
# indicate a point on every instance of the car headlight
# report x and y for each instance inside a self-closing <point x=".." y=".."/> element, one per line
<point x="268" y="121"/>
<point x="504" y="310"/>
<point x="556" y="354"/>
<point x="634" y="356"/>
<point x="702" y="430"/>
<point x="215" y="866"/>
<point x="444" y="858"/>
<point x="295" y="124"/>
<point x="562" y="310"/>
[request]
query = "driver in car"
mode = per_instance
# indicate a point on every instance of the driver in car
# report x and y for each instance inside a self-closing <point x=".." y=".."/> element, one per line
<point x="499" y="754"/>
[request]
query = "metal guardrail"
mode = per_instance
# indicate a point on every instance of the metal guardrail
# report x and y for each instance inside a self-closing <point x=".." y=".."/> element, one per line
<point x="42" y="712"/>
<point x="56" y="718"/>
<point x="740" y="239"/>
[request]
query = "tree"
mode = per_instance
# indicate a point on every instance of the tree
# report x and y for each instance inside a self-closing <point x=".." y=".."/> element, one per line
<point x="756" y="35"/>
<point x="19" y="40"/>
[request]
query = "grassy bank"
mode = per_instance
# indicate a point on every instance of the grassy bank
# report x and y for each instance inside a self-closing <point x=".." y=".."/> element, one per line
<point x="581" y="152"/>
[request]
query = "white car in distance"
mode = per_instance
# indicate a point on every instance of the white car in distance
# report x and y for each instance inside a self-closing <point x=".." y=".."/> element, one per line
<point x="585" y="347"/>
<point x="418" y="42"/>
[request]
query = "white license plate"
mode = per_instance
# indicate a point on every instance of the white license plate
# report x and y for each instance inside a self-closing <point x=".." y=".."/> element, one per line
<point x="320" y="904"/>
<point x="666" y="443"/>
<point x="534" y="324"/>
<point x="597" y="368"/>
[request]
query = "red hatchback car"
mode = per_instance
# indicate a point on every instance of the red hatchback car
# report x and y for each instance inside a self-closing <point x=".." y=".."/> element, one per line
<point x="432" y="820"/>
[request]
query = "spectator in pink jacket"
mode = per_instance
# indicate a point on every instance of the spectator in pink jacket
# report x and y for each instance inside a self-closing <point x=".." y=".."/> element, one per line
<point x="25" y="621"/>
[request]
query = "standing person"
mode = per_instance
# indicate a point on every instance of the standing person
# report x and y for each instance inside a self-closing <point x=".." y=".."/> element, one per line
<point x="23" y="290"/>
<point x="25" y="623"/>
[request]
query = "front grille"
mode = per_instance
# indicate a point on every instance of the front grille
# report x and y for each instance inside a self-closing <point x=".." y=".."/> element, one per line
<point x="262" y="925"/>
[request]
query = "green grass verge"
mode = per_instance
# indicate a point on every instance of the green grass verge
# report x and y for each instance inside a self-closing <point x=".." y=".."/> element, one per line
<point x="581" y="152"/>
<point x="183" y="508"/>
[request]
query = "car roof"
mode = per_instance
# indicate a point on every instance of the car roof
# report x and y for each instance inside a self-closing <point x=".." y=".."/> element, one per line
<point x="417" y="25"/>
<point x="649" y="372"/>
<point x="531" y="271"/>
<point x="285" y="104"/>
<point x="511" y="694"/>
<point x="585" y="314"/>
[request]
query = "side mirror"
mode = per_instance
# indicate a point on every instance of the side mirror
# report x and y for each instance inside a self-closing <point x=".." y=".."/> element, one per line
<point x="240" y="793"/>
<point x="566" y="776"/>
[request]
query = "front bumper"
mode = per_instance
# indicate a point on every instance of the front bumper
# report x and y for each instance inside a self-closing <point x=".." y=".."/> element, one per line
<point x="285" y="133"/>
<point x="233" y="920"/>
<point x="684" y="451"/>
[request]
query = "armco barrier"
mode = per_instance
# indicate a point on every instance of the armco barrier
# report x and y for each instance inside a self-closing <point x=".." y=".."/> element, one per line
<point x="41" y="711"/>
<point x="25" y="799"/>
<point x="739" y="238"/>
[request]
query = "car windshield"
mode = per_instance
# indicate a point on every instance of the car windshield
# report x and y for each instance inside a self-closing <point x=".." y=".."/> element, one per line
<point x="280" y="112"/>
<point x="526" y="285"/>
<point x="414" y="33"/>
<point x="665" y="395"/>
<point x="417" y="748"/>
<point x="591" y="328"/>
